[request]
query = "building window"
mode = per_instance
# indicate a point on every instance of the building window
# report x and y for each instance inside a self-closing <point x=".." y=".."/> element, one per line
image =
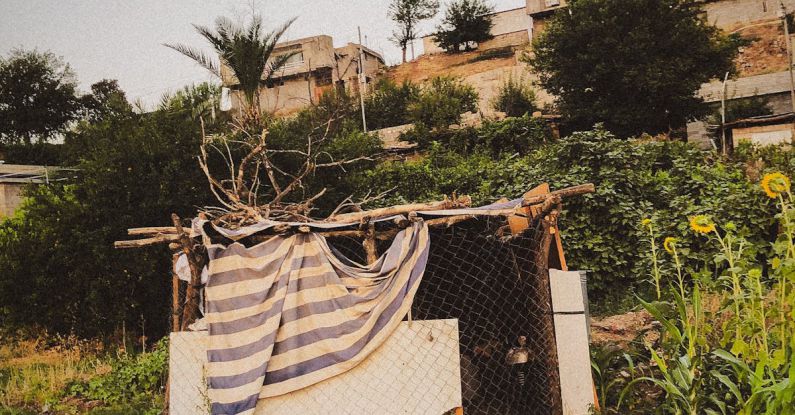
<point x="552" y="3"/>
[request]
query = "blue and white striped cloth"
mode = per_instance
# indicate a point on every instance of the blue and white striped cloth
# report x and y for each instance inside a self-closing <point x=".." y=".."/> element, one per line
<point x="290" y="312"/>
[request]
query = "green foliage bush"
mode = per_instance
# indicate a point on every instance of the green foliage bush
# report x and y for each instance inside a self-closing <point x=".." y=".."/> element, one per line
<point x="515" y="98"/>
<point x="442" y="101"/>
<point x="134" y="383"/>
<point x="518" y="135"/>
<point x="388" y="103"/>
<point x="42" y="154"/>
<point x="60" y="270"/>
<point x="496" y="53"/>
<point x="601" y="231"/>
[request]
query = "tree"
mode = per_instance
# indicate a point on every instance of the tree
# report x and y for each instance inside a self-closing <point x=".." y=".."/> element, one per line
<point x="106" y="99"/>
<point x="37" y="97"/>
<point x="407" y="14"/>
<point x="465" y="23"/>
<point x="200" y="101"/>
<point x="246" y="50"/>
<point x="59" y="268"/>
<point x="634" y="65"/>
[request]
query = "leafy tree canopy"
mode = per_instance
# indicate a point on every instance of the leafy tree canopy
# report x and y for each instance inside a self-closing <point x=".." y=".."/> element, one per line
<point x="465" y="23"/>
<point x="37" y="97"/>
<point x="634" y="65"/>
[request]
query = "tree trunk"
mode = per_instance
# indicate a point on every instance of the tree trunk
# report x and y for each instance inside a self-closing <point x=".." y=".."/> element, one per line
<point x="404" y="53"/>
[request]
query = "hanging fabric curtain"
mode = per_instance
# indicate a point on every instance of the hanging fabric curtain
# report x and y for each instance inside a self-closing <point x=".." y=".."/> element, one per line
<point x="291" y="312"/>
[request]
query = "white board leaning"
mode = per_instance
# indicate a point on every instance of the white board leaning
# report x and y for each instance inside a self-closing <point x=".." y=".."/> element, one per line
<point x="415" y="371"/>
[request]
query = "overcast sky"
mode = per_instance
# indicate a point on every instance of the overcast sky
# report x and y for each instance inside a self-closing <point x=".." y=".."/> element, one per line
<point x="123" y="39"/>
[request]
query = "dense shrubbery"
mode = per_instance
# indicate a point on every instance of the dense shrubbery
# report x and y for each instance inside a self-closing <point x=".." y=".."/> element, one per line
<point x="388" y="103"/>
<point x="60" y="269"/>
<point x="43" y="154"/>
<point x="600" y="231"/>
<point x="513" y="135"/>
<point x="515" y="98"/>
<point x="442" y="101"/>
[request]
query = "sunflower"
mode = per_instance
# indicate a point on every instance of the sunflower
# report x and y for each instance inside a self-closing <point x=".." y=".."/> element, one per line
<point x="645" y="222"/>
<point x="702" y="224"/>
<point x="669" y="244"/>
<point x="775" y="184"/>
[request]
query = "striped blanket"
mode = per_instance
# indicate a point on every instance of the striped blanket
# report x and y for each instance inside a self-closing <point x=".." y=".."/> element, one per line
<point x="291" y="311"/>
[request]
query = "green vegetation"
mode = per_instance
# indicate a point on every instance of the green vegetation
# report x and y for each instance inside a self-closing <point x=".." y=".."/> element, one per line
<point x="407" y="14"/>
<point x="465" y="23"/>
<point x="639" y="73"/>
<point x="387" y="105"/>
<point x="441" y="102"/>
<point x="437" y="103"/>
<point x="515" y="98"/>
<point x="496" y="53"/>
<point x="727" y="325"/>
<point x="39" y="99"/>
<point x="66" y="375"/>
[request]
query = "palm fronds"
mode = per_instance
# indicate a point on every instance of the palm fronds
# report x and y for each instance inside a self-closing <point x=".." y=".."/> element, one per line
<point x="246" y="50"/>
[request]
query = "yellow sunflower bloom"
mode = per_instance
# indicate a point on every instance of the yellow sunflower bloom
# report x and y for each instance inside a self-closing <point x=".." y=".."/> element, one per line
<point x="645" y="222"/>
<point x="669" y="244"/>
<point x="775" y="184"/>
<point x="702" y="224"/>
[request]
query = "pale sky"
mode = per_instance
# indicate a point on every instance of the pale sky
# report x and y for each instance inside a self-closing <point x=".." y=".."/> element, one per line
<point x="123" y="39"/>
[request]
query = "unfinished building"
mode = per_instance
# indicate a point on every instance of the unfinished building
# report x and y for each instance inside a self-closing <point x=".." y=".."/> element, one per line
<point x="314" y="68"/>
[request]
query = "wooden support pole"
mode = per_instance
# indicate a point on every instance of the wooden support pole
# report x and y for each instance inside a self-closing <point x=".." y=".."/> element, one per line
<point x="191" y="298"/>
<point x="399" y="210"/>
<point x="563" y="193"/>
<point x="539" y="202"/>
<point x="140" y="243"/>
<point x="174" y="294"/>
<point x="547" y="326"/>
<point x="369" y="242"/>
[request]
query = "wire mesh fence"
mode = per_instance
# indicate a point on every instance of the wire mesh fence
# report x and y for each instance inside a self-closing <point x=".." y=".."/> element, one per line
<point x="481" y="334"/>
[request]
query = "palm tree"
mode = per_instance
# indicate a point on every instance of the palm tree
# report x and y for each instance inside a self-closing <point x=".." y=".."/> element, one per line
<point x="245" y="50"/>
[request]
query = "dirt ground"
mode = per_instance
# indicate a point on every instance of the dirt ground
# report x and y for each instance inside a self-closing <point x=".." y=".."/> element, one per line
<point x="429" y="66"/>
<point x="622" y="329"/>
<point x="767" y="54"/>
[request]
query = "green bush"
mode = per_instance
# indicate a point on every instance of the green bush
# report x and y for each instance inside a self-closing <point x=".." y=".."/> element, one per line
<point x="515" y="98"/>
<point x="387" y="105"/>
<point x="135" y="382"/>
<point x="511" y="136"/>
<point x="43" y="154"/>
<point x="59" y="268"/>
<point x="442" y="101"/>
<point x="601" y="231"/>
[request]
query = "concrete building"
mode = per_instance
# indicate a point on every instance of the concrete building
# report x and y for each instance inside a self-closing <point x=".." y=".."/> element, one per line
<point x="774" y="88"/>
<point x="540" y="10"/>
<point x="764" y="130"/>
<point x="13" y="179"/>
<point x="511" y="28"/>
<point x="315" y="68"/>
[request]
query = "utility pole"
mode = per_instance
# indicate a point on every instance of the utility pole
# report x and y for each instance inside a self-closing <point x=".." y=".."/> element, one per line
<point x="362" y="78"/>
<point x="783" y="13"/>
